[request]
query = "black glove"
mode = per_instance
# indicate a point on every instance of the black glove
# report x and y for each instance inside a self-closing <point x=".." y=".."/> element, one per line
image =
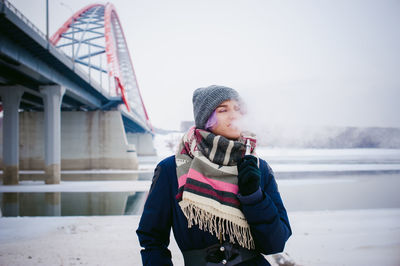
<point x="248" y="175"/>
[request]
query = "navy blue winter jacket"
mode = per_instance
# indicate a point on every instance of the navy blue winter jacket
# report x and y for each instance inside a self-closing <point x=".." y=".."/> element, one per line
<point x="268" y="220"/>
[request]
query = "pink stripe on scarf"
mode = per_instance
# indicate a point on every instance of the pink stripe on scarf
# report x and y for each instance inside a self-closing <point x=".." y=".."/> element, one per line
<point x="212" y="193"/>
<point x="218" y="185"/>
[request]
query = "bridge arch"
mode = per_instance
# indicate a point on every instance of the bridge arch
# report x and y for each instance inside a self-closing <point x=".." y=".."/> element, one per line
<point x="94" y="39"/>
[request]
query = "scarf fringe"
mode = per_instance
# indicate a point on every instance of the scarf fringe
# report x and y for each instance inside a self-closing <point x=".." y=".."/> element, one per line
<point x="215" y="224"/>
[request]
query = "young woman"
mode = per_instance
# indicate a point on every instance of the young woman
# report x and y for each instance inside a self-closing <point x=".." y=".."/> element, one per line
<point x="223" y="205"/>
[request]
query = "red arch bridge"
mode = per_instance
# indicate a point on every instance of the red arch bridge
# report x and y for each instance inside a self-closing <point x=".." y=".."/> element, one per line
<point x="72" y="101"/>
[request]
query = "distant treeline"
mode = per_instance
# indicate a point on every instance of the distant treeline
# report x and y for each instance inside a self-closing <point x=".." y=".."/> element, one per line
<point x="323" y="137"/>
<point x="331" y="137"/>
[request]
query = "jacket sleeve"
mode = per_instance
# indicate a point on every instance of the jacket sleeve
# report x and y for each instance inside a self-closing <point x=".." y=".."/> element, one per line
<point x="267" y="216"/>
<point x="155" y="223"/>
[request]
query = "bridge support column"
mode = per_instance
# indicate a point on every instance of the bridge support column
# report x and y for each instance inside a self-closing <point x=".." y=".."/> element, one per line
<point x="11" y="98"/>
<point x="52" y="98"/>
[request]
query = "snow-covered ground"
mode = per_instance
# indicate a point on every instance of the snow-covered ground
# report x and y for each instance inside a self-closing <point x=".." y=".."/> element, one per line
<point x="357" y="237"/>
<point x="328" y="236"/>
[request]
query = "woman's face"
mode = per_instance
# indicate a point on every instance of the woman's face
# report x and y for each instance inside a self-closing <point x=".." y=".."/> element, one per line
<point x="227" y="113"/>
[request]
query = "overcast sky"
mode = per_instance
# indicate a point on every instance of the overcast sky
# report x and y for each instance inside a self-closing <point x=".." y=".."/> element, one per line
<point x="309" y="62"/>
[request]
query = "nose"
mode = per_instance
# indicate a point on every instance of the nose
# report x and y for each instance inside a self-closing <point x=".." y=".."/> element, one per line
<point x="234" y="115"/>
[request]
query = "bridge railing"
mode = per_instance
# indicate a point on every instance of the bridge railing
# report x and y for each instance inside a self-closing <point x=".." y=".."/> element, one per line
<point x="38" y="31"/>
<point x="23" y="18"/>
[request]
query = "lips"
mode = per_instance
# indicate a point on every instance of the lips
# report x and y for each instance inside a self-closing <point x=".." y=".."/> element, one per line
<point x="233" y="126"/>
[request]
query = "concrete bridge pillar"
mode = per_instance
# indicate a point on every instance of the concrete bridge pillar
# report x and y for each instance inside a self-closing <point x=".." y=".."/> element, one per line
<point x="52" y="98"/>
<point x="52" y="203"/>
<point x="11" y="98"/>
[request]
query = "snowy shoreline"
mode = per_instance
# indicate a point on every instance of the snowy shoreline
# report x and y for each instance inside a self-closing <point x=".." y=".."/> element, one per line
<point x="277" y="167"/>
<point x="127" y="186"/>
<point x="345" y="237"/>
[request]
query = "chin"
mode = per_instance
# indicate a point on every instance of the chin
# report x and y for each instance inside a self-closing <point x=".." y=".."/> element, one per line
<point x="232" y="136"/>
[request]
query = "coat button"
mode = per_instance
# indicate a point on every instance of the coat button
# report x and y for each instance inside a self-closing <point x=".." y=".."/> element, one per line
<point x="224" y="262"/>
<point x="222" y="249"/>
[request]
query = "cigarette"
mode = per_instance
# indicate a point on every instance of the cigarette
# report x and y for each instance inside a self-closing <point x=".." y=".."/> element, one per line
<point x="248" y="147"/>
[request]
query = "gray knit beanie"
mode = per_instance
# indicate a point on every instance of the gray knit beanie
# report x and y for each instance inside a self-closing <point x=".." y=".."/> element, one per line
<point x="206" y="100"/>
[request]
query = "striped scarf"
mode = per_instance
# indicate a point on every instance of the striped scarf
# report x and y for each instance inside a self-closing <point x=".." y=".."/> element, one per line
<point x="207" y="178"/>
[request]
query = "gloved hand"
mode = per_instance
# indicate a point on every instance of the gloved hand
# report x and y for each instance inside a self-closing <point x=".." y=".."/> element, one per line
<point x="248" y="175"/>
